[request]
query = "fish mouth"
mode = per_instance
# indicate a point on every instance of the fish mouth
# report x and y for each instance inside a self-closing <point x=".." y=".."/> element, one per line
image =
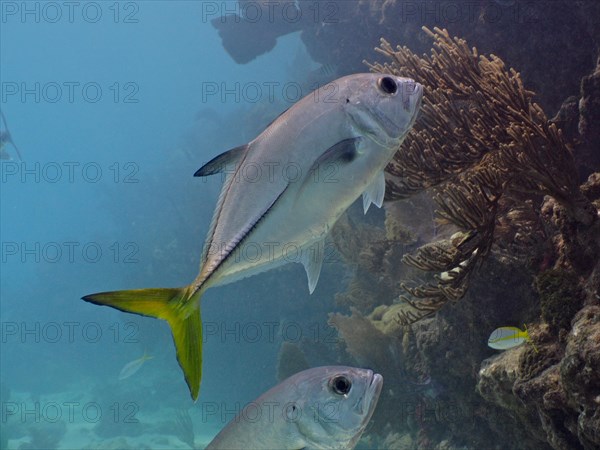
<point x="368" y="402"/>
<point x="391" y="128"/>
<point x="418" y="91"/>
<point x="375" y="386"/>
<point x="372" y="394"/>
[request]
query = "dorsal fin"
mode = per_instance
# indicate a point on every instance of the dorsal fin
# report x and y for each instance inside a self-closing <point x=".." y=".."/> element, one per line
<point x="219" y="163"/>
<point x="278" y="116"/>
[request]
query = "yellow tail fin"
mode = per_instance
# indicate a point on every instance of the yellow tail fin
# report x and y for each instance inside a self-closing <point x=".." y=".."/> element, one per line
<point x="181" y="312"/>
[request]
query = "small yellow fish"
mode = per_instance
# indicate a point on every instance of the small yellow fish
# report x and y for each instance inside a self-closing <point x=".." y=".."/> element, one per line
<point x="133" y="366"/>
<point x="504" y="338"/>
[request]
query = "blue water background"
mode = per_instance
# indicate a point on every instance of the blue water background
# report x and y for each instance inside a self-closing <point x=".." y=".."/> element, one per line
<point x="145" y="211"/>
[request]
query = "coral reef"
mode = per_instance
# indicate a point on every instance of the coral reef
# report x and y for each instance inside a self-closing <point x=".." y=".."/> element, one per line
<point x="347" y="235"/>
<point x="560" y="298"/>
<point x="370" y="346"/>
<point x="556" y="393"/>
<point x="397" y="441"/>
<point x="518" y="240"/>
<point x="45" y="435"/>
<point x="514" y="30"/>
<point x="587" y="126"/>
<point x="517" y="235"/>
<point x="246" y="37"/>
<point x="485" y="147"/>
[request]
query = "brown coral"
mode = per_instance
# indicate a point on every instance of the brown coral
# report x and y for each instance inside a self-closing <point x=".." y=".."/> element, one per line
<point x="485" y="147"/>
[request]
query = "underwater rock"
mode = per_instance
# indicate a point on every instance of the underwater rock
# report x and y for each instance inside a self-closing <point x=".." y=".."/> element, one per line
<point x="497" y="377"/>
<point x="374" y="261"/>
<point x="252" y="27"/>
<point x="587" y="152"/>
<point x="555" y="393"/>
<point x="452" y="344"/>
<point x="370" y="347"/>
<point x="434" y="363"/>
<point x="366" y="343"/>
<point x="46" y="435"/>
<point x="364" y="292"/>
<point x="398" y="441"/>
<point x="566" y="30"/>
<point x="527" y="405"/>
<point x="394" y="230"/>
<point x="589" y="108"/>
<point x="490" y="155"/>
<point x="567" y="118"/>
<point x="591" y="189"/>
<point x="580" y="374"/>
<point x="578" y="240"/>
<point x="411" y="221"/>
<point x="560" y="298"/>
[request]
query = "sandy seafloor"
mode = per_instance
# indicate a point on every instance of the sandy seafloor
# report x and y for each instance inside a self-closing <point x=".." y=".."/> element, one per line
<point x="80" y="432"/>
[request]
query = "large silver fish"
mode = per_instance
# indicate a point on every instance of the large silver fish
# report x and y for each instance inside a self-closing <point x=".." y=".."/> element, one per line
<point x="282" y="193"/>
<point x="325" y="408"/>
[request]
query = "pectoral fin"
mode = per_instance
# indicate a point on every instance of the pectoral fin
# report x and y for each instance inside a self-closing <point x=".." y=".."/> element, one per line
<point x="343" y="152"/>
<point x="312" y="259"/>
<point x="218" y="164"/>
<point x="374" y="193"/>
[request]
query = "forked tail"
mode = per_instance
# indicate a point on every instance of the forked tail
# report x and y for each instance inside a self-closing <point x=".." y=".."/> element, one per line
<point x="181" y="311"/>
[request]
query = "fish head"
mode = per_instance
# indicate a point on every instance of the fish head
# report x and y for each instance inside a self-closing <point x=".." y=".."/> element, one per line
<point x="383" y="107"/>
<point x="337" y="404"/>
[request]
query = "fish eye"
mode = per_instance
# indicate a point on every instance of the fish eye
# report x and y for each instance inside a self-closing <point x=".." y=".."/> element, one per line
<point x="387" y="85"/>
<point x="340" y="385"/>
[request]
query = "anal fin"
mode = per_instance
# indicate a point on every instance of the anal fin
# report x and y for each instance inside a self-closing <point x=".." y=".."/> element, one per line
<point x="374" y="192"/>
<point x="312" y="260"/>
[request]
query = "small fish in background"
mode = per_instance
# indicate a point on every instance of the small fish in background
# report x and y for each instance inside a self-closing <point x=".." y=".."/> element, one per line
<point x="185" y="427"/>
<point x="504" y="338"/>
<point x="324" y="407"/>
<point x="319" y="77"/>
<point x="5" y="139"/>
<point x="133" y="366"/>
<point x="309" y="79"/>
